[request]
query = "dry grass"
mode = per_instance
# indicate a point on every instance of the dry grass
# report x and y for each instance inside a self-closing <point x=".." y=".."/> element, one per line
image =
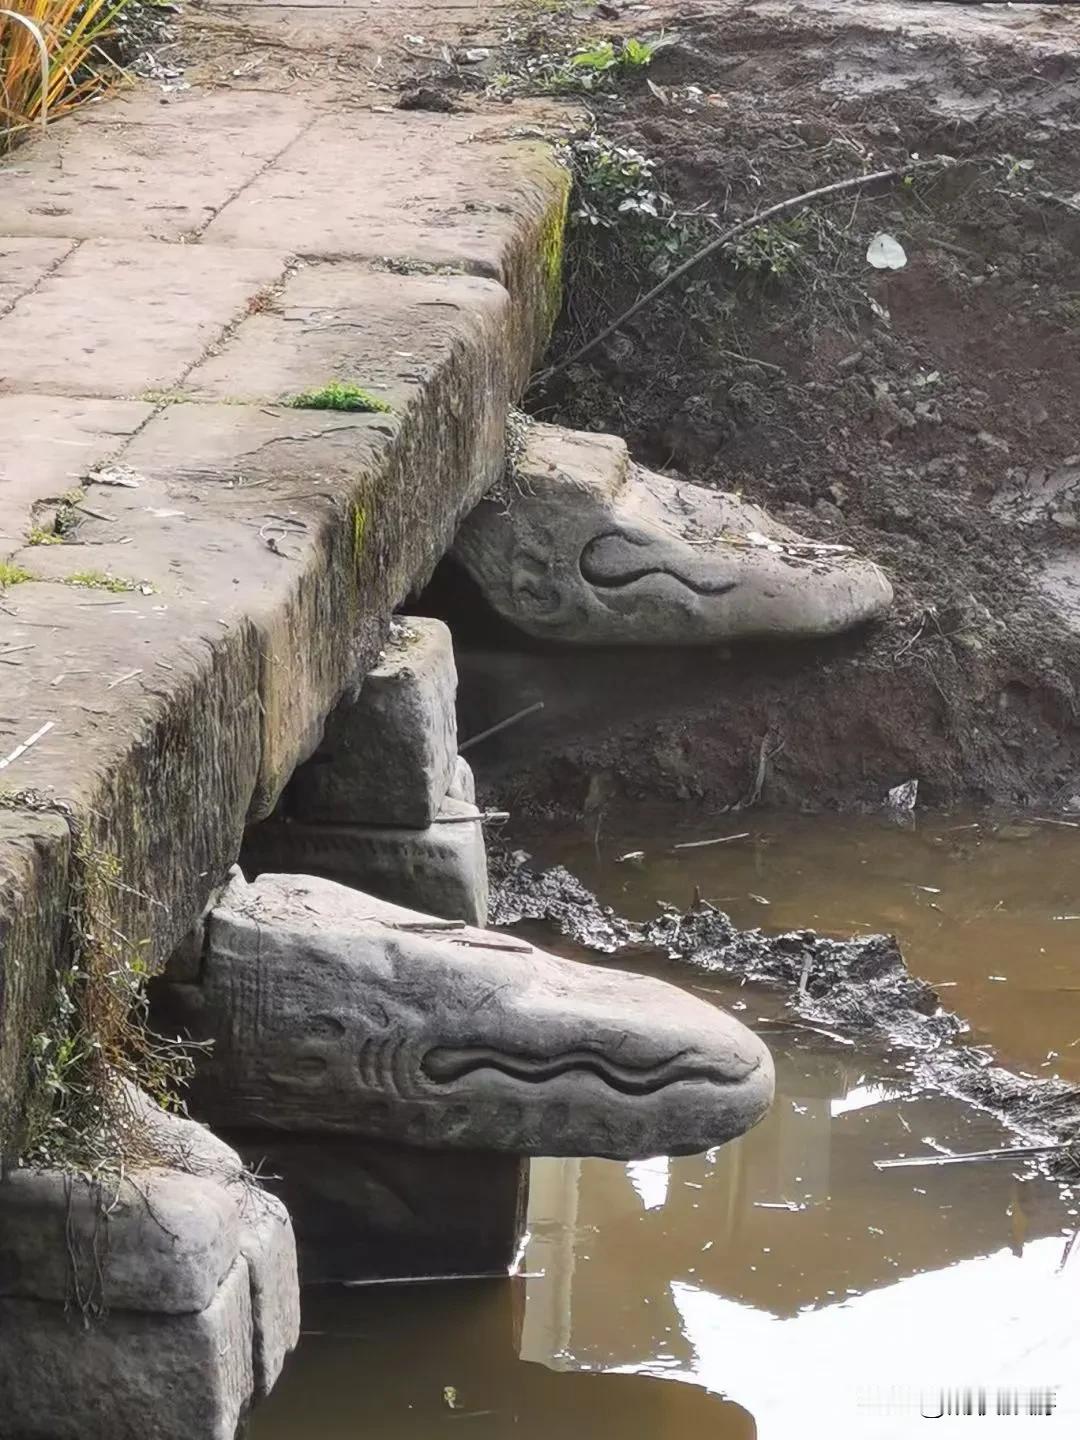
<point x="70" y="33"/>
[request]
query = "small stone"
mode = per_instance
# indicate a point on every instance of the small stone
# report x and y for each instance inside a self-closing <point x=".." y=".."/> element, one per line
<point x="426" y="98"/>
<point x="992" y="442"/>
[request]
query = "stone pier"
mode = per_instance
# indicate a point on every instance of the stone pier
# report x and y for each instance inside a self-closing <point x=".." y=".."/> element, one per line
<point x="386" y="803"/>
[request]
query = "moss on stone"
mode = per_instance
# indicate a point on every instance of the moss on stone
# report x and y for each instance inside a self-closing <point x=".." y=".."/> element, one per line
<point x="551" y="245"/>
<point x="339" y="395"/>
<point x="359" y="531"/>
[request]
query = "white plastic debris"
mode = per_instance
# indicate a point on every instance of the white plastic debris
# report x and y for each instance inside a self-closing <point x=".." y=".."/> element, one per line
<point x="903" y="797"/>
<point x="115" y="475"/>
<point x="885" y="252"/>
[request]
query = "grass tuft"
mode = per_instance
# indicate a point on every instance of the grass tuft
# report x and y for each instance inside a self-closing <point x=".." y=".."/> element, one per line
<point x="339" y="395"/>
<point x="11" y="574"/>
<point x="72" y="32"/>
<point x="99" y="580"/>
<point x="97" y="1042"/>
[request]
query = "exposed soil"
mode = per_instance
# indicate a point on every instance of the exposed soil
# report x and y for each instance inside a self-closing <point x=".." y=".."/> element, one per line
<point x="929" y="417"/>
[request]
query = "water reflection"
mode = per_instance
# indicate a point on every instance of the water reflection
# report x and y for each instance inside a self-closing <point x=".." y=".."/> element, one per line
<point x="787" y="1272"/>
<point x="409" y="1362"/>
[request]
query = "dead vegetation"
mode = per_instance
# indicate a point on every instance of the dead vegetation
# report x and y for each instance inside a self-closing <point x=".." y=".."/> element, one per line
<point x="52" y="58"/>
<point x="98" y="1050"/>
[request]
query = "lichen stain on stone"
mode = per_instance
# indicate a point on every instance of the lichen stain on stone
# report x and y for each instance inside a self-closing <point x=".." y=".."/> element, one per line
<point x="551" y="247"/>
<point x="359" y="533"/>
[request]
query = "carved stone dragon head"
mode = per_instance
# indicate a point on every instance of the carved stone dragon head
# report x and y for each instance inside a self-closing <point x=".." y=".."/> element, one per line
<point x="333" y="1011"/>
<point x="588" y="548"/>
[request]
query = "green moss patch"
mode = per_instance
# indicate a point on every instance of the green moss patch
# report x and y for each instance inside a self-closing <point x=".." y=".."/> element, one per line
<point x="339" y="395"/>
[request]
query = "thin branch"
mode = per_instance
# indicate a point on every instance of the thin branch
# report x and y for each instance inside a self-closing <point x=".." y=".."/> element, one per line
<point x="794" y="202"/>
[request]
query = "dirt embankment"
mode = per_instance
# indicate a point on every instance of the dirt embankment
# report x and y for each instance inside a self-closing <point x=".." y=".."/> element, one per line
<point x="929" y="417"/>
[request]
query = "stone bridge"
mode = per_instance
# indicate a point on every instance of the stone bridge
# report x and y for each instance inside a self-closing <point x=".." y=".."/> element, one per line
<point x="260" y="337"/>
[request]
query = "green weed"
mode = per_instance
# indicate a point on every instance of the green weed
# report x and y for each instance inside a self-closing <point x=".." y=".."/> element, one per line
<point x="773" y="249"/>
<point x="616" y="190"/>
<point x="11" y="574"/>
<point x="97" y="1040"/>
<point x="339" y="395"/>
<point x="99" y="580"/>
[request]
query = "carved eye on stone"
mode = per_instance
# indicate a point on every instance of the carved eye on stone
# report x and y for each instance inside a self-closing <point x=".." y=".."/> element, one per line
<point x="531" y="584"/>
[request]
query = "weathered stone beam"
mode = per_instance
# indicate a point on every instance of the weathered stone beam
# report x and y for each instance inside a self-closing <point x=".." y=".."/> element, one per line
<point x="256" y="557"/>
<point x="440" y="870"/>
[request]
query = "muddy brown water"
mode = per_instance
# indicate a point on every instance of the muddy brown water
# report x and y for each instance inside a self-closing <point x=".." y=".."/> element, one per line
<point x="782" y="1285"/>
<point x="988" y="910"/>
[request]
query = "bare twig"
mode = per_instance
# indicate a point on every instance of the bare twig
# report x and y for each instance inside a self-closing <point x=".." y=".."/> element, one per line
<point x="31" y="740"/>
<point x="129" y="675"/>
<point x="752" y="360"/>
<point x="720" y="840"/>
<point x="502" y="725"/>
<point x="765" y="754"/>
<point x="910" y="1161"/>
<point x="783" y="207"/>
<point x="482" y="818"/>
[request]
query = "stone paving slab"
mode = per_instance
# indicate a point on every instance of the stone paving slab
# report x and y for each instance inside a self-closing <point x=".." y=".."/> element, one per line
<point x="47" y="445"/>
<point x="409" y="201"/>
<point x="155" y="737"/>
<point x="141" y="168"/>
<point x="74" y="333"/>
<point x="358" y="30"/>
<point x="24" y="263"/>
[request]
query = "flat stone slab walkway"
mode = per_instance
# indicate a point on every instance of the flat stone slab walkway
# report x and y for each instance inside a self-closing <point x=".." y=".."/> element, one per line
<point x="174" y="268"/>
